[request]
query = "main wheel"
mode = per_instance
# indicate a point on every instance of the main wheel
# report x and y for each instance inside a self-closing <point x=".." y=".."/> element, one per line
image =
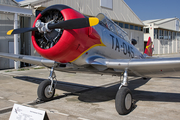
<point x="123" y="101"/>
<point x="44" y="92"/>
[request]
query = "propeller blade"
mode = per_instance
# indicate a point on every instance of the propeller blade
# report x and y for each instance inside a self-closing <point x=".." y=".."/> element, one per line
<point x="68" y="24"/>
<point x="75" y="23"/>
<point x="21" y="30"/>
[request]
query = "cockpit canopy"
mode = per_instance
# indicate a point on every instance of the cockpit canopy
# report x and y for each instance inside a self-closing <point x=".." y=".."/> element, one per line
<point x="113" y="26"/>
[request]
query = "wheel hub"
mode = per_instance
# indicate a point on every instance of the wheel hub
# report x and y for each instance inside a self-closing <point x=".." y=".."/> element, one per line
<point x="48" y="92"/>
<point x="128" y="101"/>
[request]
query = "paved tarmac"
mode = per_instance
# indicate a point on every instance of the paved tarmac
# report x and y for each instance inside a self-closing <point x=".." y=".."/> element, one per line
<point x="88" y="96"/>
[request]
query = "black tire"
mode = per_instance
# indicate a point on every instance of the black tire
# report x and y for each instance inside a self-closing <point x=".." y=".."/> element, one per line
<point x="43" y="91"/>
<point x="123" y="101"/>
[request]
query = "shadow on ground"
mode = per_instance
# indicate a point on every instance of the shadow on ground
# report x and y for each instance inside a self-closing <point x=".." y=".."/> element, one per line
<point x="106" y="92"/>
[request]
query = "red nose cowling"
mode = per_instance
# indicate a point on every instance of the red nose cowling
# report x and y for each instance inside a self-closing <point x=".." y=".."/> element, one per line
<point x="72" y="43"/>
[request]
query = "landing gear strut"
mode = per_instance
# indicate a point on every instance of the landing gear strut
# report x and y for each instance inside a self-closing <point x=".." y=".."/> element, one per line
<point x="46" y="88"/>
<point x="123" y="100"/>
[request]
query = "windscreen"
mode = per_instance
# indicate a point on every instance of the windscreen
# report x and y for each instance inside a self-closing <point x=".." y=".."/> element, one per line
<point x="113" y="26"/>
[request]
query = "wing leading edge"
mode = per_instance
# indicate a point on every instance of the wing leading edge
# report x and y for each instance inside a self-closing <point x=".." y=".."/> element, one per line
<point x="29" y="59"/>
<point x="159" y="67"/>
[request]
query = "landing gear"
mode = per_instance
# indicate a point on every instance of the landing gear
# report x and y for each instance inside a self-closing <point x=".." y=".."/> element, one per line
<point x="46" y="89"/>
<point x="123" y="100"/>
<point x="45" y="92"/>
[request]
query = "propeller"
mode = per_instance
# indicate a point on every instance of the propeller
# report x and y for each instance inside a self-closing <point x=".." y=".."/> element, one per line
<point x="21" y="30"/>
<point x="68" y="24"/>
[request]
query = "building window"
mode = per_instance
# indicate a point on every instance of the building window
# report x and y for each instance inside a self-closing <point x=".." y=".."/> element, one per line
<point x="170" y="38"/>
<point x="178" y="36"/>
<point x="116" y="22"/>
<point x="37" y="12"/>
<point x="146" y="30"/>
<point x="131" y="27"/>
<point x="106" y="4"/>
<point x="173" y="35"/>
<point x="136" y="27"/>
<point x="140" y="28"/>
<point x="155" y="33"/>
<point x="161" y="36"/>
<point x="165" y="34"/>
<point x="126" y="26"/>
<point x="121" y="24"/>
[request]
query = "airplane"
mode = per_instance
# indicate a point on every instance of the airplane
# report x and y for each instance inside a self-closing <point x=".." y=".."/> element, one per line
<point x="69" y="41"/>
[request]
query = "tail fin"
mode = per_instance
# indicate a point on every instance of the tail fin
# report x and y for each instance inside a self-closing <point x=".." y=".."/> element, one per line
<point x="148" y="49"/>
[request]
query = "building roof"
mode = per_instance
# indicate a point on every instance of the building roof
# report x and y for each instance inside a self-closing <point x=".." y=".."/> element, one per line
<point x="120" y="10"/>
<point x="159" y="21"/>
<point x="27" y="2"/>
<point x="138" y="21"/>
<point x="9" y="2"/>
<point x="168" y="23"/>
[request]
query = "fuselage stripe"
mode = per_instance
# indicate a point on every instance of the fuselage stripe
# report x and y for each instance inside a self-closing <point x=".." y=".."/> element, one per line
<point x="102" y="44"/>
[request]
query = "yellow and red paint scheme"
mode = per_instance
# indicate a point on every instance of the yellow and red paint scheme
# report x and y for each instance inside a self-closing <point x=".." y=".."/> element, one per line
<point x="73" y="42"/>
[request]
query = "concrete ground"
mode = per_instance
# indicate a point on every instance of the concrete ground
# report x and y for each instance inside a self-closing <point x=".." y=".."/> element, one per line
<point x="89" y="96"/>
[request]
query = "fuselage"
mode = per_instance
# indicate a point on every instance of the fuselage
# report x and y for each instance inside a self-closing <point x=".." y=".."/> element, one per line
<point x="114" y="47"/>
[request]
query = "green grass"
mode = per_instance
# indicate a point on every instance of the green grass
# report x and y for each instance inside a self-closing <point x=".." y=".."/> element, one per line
<point x="8" y="71"/>
<point x="22" y="69"/>
<point x="39" y="68"/>
<point x="56" y="95"/>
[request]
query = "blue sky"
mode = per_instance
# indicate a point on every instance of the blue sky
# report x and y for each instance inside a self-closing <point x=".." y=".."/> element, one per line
<point x="19" y="0"/>
<point x="153" y="9"/>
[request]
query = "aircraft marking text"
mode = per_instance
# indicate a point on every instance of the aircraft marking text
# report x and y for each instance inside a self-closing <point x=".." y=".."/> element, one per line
<point x="127" y="49"/>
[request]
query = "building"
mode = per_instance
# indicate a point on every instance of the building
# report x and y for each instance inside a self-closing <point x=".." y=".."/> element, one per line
<point x="11" y="16"/>
<point x="117" y="10"/>
<point x="165" y="35"/>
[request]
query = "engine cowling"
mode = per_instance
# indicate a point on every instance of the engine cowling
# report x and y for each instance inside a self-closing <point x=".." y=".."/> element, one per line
<point x="63" y="45"/>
